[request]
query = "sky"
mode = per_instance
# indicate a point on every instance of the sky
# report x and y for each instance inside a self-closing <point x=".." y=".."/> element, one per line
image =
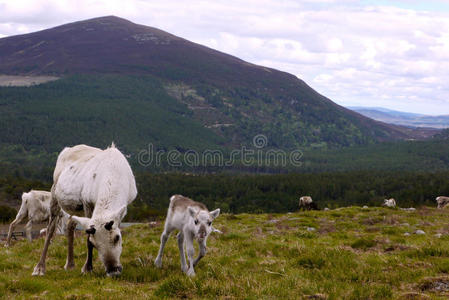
<point x="377" y="53"/>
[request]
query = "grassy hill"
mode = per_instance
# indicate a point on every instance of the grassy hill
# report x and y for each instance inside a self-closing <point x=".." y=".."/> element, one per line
<point x="350" y="253"/>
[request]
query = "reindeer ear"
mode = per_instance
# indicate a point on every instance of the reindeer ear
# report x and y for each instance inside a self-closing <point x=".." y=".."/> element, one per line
<point x="121" y="214"/>
<point x="215" y="213"/>
<point x="83" y="222"/>
<point x="108" y="225"/>
<point x="192" y="211"/>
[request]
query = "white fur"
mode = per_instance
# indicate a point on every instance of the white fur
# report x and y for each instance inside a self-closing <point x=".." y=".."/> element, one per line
<point x="36" y="207"/>
<point x="305" y="202"/>
<point x="183" y="219"/>
<point x="389" y="202"/>
<point x="442" y="201"/>
<point x="102" y="183"/>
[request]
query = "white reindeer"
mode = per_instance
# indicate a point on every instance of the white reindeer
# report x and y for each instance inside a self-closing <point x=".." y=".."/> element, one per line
<point x="306" y="203"/>
<point x="194" y="221"/>
<point x="442" y="201"/>
<point x="36" y="206"/>
<point x="389" y="203"/>
<point x="100" y="183"/>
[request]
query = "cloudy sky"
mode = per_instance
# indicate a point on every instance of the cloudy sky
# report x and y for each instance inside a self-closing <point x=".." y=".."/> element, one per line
<point x="392" y="54"/>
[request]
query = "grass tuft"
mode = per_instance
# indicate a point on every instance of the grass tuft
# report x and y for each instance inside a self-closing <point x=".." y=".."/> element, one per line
<point x="363" y="243"/>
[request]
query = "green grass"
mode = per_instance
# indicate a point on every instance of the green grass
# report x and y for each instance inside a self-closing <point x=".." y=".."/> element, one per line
<point x="353" y="253"/>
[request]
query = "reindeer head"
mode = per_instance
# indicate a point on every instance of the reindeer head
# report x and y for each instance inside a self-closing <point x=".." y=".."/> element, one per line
<point x="104" y="234"/>
<point x="442" y="201"/>
<point x="201" y="222"/>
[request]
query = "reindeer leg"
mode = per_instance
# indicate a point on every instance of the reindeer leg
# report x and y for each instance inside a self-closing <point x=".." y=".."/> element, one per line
<point x="39" y="269"/>
<point x="20" y="216"/>
<point x="164" y="238"/>
<point x="28" y="228"/>
<point x="88" y="265"/>
<point x="70" y="264"/>
<point x="180" y="237"/>
<point x="190" y="255"/>
<point x="203" y="250"/>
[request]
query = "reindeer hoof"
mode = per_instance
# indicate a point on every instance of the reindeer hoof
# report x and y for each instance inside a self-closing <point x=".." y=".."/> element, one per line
<point x="86" y="269"/>
<point x="158" y="263"/>
<point x="190" y="272"/>
<point x="39" y="270"/>
<point x="69" y="266"/>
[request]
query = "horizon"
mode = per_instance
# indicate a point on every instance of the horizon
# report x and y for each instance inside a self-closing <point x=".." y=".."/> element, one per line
<point x="352" y="107"/>
<point x="389" y="54"/>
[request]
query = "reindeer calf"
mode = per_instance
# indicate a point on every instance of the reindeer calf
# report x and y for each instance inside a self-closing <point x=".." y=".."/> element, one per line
<point x="194" y="221"/>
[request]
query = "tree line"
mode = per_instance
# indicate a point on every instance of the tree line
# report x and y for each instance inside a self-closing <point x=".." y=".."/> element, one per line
<point x="275" y="193"/>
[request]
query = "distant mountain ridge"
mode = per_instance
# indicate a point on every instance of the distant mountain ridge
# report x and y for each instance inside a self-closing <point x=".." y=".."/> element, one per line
<point x="385" y="110"/>
<point x="179" y="95"/>
<point x="403" y="118"/>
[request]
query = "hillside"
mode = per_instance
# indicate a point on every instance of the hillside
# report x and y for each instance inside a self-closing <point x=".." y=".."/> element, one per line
<point x="403" y="118"/>
<point x="349" y="253"/>
<point x="137" y="85"/>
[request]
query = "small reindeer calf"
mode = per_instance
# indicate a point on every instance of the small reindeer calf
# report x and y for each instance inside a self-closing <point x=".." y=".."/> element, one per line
<point x="194" y="221"/>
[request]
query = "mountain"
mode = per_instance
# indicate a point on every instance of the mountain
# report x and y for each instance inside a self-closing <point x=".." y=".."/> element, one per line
<point x="403" y="118"/>
<point x="134" y="84"/>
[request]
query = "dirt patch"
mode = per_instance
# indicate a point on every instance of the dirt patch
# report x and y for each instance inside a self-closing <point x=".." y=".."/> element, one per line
<point x="372" y="220"/>
<point x="317" y="297"/>
<point x="391" y="220"/>
<point x="394" y="247"/>
<point x="413" y="296"/>
<point x="325" y="228"/>
<point x="427" y="224"/>
<point x="436" y="285"/>
<point x="372" y="229"/>
<point x="259" y="232"/>
<point x="282" y="227"/>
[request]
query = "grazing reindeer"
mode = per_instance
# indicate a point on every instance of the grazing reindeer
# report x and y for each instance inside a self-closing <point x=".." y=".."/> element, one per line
<point x="100" y="183"/>
<point x="36" y="207"/>
<point x="306" y="203"/>
<point x="194" y="221"/>
<point x="442" y="201"/>
<point x="389" y="203"/>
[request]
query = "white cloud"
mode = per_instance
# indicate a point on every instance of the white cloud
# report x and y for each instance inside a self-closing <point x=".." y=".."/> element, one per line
<point x="334" y="45"/>
<point x="354" y="54"/>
